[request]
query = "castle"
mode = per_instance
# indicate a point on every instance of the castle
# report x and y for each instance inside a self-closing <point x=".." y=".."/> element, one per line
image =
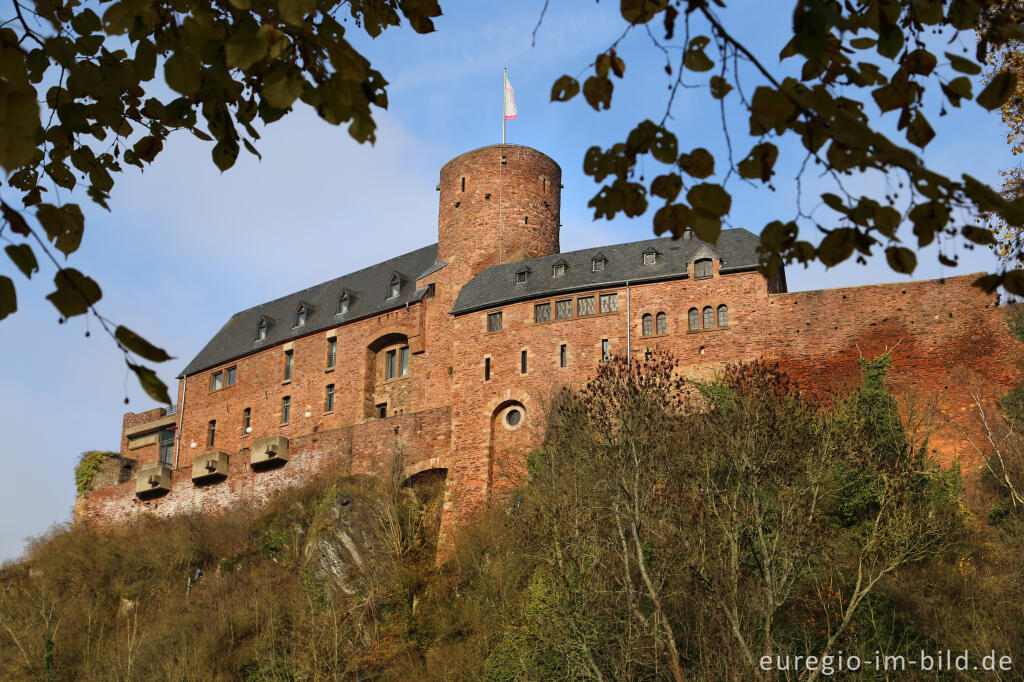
<point x="439" y="362"/>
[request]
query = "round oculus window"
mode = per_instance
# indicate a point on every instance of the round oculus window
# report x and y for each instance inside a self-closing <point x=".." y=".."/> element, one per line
<point x="513" y="417"/>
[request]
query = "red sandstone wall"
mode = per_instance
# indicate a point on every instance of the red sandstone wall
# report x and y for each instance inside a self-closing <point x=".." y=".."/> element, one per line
<point x="260" y="386"/>
<point x="412" y="443"/>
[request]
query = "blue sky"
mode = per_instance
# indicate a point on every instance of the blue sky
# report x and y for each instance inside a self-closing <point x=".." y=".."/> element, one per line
<point x="185" y="246"/>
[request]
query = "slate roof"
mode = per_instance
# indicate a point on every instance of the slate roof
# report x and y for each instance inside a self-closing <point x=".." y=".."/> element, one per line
<point x="368" y="290"/>
<point x="496" y="285"/>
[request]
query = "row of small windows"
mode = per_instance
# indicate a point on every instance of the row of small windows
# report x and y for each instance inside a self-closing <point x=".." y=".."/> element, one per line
<point x="707" y="317"/>
<point x="211" y="428"/>
<point x="304" y="310"/>
<point x="563" y="358"/>
<point x="702" y="268"/>
<point x="648" y="321"/>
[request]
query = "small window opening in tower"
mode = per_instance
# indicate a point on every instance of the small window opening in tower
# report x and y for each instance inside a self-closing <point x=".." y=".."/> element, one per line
<point x="463" y="183"/>
<point x="544" y="185"/>
<point x="526" y="220"/>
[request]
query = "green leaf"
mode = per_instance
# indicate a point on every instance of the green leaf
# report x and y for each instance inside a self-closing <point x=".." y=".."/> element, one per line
<point x="148" y="147"/>
<point x="641" y="11"/>
<point x="957" y="89"/>
<point x="978" y="235"/>
<point x="64" y="226"/>
<point x="151" y="384"/>
<point x="988" y="283"/>
<point x="901" y="259"/>
<point x="887" y="220"/>
<point x="963" y="14"/>
<point x="602" y="65"/>
<point x="225" y="152"/>
<point x="138" y="345"/>
<point x="22" y="256"/>
<point x="145" y="60"/>
<point x="962" y="64"/>
<point x="14" y="220"/>
<point x="890" y="42"/>
<point x="281" y="88"/>
<point x="719" y="87"/>
<point x="19" y="106"/>
<point x="182" y="72"/>
<point x="75" y="292"/>
<point x="667" y="186"/>
<point x="705" y="225"/>
<point x="837" y="246"/>
<point x="928" y="218"/>
<point x="759" y="162"/>
<point x="863" y="43"/>
<point x="1013" y="282"/>
<point x="673" y="218"/>
<point x="698" y="164"/>
<point x="999" y="89"/>
<point x="246" y="47"/>
<point x="919" y="132"/>
<point x="564" y="89"/>
<point x="920" y="62"/>
<point x="694" y="58"/>
<point x="896" y="95"/>
<point x="769" y="109"/>
<point x="295" y="11"/>
<point x="598" y="91"/>
<point x="709" y="197"/>
<point x="8" y="299"/>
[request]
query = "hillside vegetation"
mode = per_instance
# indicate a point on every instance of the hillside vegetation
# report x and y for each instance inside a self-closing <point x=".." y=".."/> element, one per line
<point x="665" y="530"/>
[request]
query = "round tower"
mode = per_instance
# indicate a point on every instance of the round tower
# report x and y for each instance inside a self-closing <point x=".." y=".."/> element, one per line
<point x="498" y="204"/>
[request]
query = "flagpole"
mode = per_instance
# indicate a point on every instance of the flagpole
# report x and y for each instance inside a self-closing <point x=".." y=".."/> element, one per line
<point x="504" y="78"/>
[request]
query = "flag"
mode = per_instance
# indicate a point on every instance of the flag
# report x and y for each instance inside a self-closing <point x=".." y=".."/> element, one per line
<point x="510" y="101"/>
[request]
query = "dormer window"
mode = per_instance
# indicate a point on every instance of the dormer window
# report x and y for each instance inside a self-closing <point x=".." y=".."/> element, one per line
<point x="598" y="263"/>
<point x="393" y="286"/>
<point x="558" y="270"/>
<point x="343" y="303"/>
<point x="650" y="257"/>
<point x="261" y="331"/>
<point x="521" y="277"/>
<point x="300" y="316"/>
<point x="702" y="268"/>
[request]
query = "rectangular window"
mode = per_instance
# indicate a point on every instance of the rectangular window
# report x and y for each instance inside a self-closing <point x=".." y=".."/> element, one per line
<point x="382" y="410"/>
<point x="585" y="306"/>
<point x="329" y="399"/>
<point x="286" y="409"/>
<point x="246" y="420"/>
<point x="403" y="361"/>
<point x="332" y="352"/>
<point x="217" y="381"/>
<point x="166" y="439"/>
<point x="288" y="358"/>
<point x="487" y="369"/>
<point x="649" y="258"/>
<point x="389" y="364"/>
<point x="211" y="432"/>
<point x="522" y="362"/>
<point x="230" y="375"/>
<point x="609" y="303"/>
<point x="563" y="359"/>
<point x="563" y="309"/>
<point x="605" y="351"/>
<point x="494" y="322"/>
<point x="542" y="312"/>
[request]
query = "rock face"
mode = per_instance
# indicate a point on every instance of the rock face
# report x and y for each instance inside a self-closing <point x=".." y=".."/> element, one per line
<point x="344" y="538"/>
<point x="361" y="521"/>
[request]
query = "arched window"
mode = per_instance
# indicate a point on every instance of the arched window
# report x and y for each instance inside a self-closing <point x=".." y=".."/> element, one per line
<point x="343" y="302"/>
<point x="709" y="317"/>
<point x="723" y="316"/>
<point x="261" y="331"/>
<point x="646" y="325"/>
<point x="393" y="286"/>
<point x="694" y="319"/>
<point x="662" y="327"/>
<point x="702" y="268"/>
<point x="300" y="316"/>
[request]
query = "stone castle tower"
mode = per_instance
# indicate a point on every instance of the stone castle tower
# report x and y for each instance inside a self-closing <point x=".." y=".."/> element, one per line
<point x="498" y="204"/>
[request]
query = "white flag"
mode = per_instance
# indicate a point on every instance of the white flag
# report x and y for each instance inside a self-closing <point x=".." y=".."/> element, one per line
<point x="510" y="101"/>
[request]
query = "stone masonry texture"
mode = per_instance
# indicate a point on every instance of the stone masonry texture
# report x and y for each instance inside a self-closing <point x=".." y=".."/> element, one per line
<point x="466" y="407"/>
